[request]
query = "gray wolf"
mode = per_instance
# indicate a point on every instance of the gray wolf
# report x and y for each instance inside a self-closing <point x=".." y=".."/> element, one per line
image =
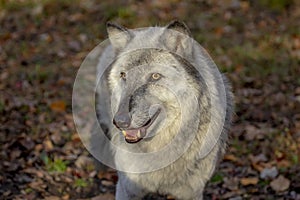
<point x="160" y="90"/>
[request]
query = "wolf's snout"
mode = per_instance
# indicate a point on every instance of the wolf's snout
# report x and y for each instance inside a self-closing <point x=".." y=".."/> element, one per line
<point x="122" y="120"/>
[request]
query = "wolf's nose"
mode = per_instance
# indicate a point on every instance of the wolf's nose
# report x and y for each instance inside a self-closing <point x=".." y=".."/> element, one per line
<point x="122" y="120"/>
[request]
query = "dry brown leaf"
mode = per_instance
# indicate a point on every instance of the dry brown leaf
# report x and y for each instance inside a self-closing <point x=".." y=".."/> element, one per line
<point x="84" y="162"/>
<point x="48" y="145"/>
<point x="57" y="138"/>
<point x="34" y="171"/>
<point x="27" y="143"/>
<point x="169" y="197"/>
<point x="252" y="132"/>
<point x="258" y="161"/>
<point x="230" y="157"/>
<point x="231" y="183"/>
<point x="58" y="106"/>
<point x="297" y="91"/>
<point x="107" y="196"/>
<point x="280" y="184"/>
<point x="107" y="183"/>
<point x="38" y="147"/>
<point x="37" y="185"/>
<point x="66" y="197"/>
<point x="257" y="166"/>
<point x="284" y="163"/>
<point x="249" y="181"/>
<point x="76" y="138"/>
<point x="52" y="198"/>
<point x="268" y="164"/>
<point x="258" y="158"/>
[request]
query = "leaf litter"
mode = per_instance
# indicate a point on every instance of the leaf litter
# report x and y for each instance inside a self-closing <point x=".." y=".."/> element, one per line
<point x="43" y="44"/>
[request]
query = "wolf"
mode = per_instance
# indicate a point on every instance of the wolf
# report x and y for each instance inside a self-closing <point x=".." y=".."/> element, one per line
<point x="166" y="107"/>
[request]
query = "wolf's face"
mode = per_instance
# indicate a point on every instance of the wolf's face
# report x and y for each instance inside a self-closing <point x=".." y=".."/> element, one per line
<point x="144" y="97"/>
<point x="149" y="84"/>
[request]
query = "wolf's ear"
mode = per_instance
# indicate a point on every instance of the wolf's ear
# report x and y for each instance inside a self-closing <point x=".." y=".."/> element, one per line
<point x="177" y="38"/>
<point x="118" y="35"/>
<point x="179" y="26"/>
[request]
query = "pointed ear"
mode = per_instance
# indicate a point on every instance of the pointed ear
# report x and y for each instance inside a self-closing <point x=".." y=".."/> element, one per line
<point x="177" y="38"/>
<point x="118" y="36"/>
<point x="179" y="26"/>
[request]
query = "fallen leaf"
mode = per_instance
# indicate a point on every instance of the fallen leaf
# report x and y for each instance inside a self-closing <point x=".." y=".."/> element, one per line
<point x="76" y="138"/>
<point x="251" y="132"/>
<point x="236" y="198"/>
<point x="15" y="154"/>
<point x="249" y="181"/>
<point x="258" y="158"/>
<point x="66" y="197"/>
<point x="57" y="139"/>
<point x="257" y="166"/>
<point x="269" y="173"/>
<point x="107" y="196"/>
<point x="38" y="147"/>
<point x="284" y="163"/>
<point x="38" y="185"/>
<point x="231" y="183"/>
<point x="257" y="161"/>
<point x="280" y="184"/>
<point x="169" y="197"/>
<point x="107" y="183"/>
<point x="52" y="198"/>
<point x="230" y="157"/>
<point x="27" y="143"/>
<point x="84" y="162"/>
<point x="48" y="145"/>
<point x="58" y="106"/>
<point x="108" y="175"/>
<point x="37" y="173"/>
<point x="297" y="91"/>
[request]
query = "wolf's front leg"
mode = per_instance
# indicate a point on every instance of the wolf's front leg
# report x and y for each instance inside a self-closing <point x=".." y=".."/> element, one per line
<point x="128" y="190"/>
<point x="199" y="197"/>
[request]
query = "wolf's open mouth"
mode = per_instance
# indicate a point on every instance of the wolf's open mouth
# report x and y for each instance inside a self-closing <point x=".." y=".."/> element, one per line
<point x="135" y="135"/>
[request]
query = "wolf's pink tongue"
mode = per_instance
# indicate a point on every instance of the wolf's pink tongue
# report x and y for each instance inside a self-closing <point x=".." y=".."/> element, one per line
<point x="132" y="133"/>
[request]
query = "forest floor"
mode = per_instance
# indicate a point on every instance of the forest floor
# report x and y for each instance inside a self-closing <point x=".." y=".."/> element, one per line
<point x="43" y="43"/>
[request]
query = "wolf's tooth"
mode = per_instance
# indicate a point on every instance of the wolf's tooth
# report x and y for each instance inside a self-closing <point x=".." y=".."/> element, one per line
<point x="124" y="133"/>
<point x="139" y="133"/>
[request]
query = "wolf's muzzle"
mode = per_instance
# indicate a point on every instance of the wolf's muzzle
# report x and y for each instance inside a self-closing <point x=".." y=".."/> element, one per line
<point x="122" y="120"/>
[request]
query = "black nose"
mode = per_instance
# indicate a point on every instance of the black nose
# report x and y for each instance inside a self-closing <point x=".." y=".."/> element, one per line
<point x="122" y="120"/>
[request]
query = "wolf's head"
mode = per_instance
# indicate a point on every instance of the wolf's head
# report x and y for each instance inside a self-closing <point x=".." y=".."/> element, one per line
<point x="153" y="85"/>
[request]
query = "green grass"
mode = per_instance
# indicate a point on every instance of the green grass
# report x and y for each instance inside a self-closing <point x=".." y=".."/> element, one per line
<point x="81" y="183"/>
<point x="217" y="178"/>
<point x="1" y="106"/>
<point x="15" y="5"/>
<point x="276" y="5"/>
<point x="28" y="190"/>
<point x="295" y="159"/>
<point x="39" y="74"/>
<point x="263" y="183"/>
<point x="298" y="81"/>
<point x="55" y="165"/>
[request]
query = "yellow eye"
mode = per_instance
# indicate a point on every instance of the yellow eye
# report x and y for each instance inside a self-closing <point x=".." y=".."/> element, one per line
<point x="123" y="75"/>
<point x="156" y="76"/>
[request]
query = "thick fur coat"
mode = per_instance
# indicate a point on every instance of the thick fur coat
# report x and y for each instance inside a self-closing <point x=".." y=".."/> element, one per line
<point x="160" y="87"/>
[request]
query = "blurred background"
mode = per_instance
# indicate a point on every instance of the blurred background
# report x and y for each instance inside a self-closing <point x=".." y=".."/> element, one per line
<point x="42" y="44"/>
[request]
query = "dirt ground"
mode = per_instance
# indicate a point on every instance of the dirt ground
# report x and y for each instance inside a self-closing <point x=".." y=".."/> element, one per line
<point x="43" y="43"/>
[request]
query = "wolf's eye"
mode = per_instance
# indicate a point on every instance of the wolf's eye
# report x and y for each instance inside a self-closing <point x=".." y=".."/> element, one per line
<point x="123" y="75"/>
<point x="155" y="76"/>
